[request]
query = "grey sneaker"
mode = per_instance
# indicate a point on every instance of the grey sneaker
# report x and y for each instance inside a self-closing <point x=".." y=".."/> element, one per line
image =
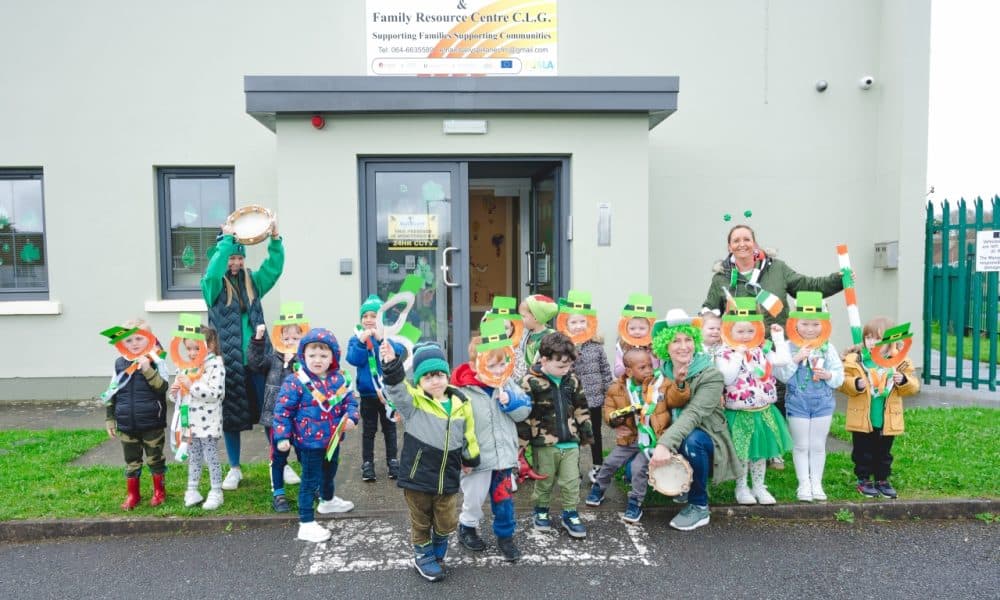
<point x="692" y="517"/>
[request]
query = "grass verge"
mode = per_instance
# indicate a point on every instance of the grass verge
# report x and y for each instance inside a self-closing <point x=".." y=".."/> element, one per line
<point x="945" y="452"/>
<point x="951" y="342"/>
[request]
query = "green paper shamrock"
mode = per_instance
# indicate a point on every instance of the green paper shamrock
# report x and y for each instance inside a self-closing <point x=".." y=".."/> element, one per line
<point x="393" y="266"/>
<point x="187" y="257"/>
<point x="30" y="253"/>
<point x="432" y="191"/>
<point x="747" y="213"/>
<point x="727" y="217"/>
<point x="4" y="221"/>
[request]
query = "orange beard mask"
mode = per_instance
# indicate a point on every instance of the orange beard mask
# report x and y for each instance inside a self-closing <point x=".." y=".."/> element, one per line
<point x="755" y="341"/>
<point x="893" y="357"/>
<point x="194" y="365"/>
<point x="793" y="334"/>
<point x="584" y="336"/>
<point x="646" y="340"/>
<point x="486" y="376"/>
<point x="149" y="347"/>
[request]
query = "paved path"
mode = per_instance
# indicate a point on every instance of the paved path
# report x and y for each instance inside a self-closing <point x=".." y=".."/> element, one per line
<point x="727" y="559"/>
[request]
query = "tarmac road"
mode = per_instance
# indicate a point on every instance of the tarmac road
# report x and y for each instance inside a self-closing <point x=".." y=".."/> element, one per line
<point x="367" y="558"/>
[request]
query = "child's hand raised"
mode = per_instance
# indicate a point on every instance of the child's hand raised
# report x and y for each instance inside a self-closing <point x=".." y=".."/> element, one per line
<point x="821" y="373"/>
<point x="622" y="431"/>
<point x="284" y="446"/>
<point x="777" y="329"/>
<point x="363" y="335"/>
<point x="898" y="378"/>
<point x="111" y="428"/>
<point x="349" y="425"/>
<point x="503" y="398"/>
<point x="143" y="362"/>
<point x="386" y="352"/>
<point x="259" y="335"/>
<point x="801" y="355"/>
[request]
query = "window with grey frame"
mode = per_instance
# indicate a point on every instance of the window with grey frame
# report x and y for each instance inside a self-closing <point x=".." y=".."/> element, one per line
<point x="193" y="204"/>
<point x="24" y="272"/>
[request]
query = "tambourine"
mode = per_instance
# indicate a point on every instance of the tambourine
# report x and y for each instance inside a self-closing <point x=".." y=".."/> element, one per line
<point x="672" y="478"/>
<point x="251" y="224"/>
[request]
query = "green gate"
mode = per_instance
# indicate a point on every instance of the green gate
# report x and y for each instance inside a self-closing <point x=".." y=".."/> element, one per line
<point x="960" y="304"/>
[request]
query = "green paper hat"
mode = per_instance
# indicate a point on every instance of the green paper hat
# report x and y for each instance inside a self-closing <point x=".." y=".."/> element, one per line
<point x="809" y="305"/>
<point x="576" y="303"/>
<point x="504" y="307"/>
<point x="675" y="318"/>
<point x="189" y="327"/>
<point x="745" y="309"/>
<point x="291" y="313"/>
<point x="371" y="304"/>
<point x="895" y="334"/>
<point x="639" y="305"/>
<point x="117" y="333"/>
<point x="494" y="335"/>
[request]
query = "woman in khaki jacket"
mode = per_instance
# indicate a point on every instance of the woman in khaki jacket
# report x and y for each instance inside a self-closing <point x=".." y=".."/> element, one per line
<point x="875" y="403"/>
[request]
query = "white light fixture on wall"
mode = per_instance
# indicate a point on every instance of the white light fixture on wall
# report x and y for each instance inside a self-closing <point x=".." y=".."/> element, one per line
<point x="464" y="126"/>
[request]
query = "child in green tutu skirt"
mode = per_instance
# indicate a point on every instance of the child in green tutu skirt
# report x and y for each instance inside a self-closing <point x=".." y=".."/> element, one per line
<point x="746" y="361"/>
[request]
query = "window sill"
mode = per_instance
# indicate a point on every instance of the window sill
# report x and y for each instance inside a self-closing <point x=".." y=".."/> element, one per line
<point x="176" y="306"/>
<point x="31" y="307"/>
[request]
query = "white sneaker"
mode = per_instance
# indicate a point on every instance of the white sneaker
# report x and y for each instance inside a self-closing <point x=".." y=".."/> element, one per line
<point x="291" y="477"/>
<point x="743" y="495"/>
<point x="594" y="470"/>
<point x="192" y="498"/>
<point x="804" y="493"/>
<point x="763" y="496"/>
<point x="337" y="505"/>
<point x="817" y="492"/>
<point x="233" y="479"/>
<point x="214" y="500"/>
<point x="313" y="532"/>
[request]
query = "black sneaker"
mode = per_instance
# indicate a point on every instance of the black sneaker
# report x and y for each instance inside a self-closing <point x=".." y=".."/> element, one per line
<point x="508" y="549"/>
<point x="469" y="537"/>
<point x="393" y="466"/>
<point x="885" y="488"/>
<point x="280" y="504"/>
<point x="867" y="489"/>
<point x="368" y="472"/>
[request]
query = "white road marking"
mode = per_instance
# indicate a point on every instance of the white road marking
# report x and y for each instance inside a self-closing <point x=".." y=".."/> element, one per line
<point x="361" y="545"/>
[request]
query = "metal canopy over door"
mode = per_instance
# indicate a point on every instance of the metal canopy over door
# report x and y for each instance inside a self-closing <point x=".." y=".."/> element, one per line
<point x="412" y="216"/>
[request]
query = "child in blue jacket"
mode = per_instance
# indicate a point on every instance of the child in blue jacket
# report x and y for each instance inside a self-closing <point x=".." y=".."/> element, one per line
<point x="315" y="407"/>
<point x="362" y="352"/>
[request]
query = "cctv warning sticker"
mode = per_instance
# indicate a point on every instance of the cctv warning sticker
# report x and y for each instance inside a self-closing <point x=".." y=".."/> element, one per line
<point x="988" y="251"/>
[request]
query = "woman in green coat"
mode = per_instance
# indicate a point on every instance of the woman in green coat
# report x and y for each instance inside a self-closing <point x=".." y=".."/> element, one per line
<point x="698" y="429"/>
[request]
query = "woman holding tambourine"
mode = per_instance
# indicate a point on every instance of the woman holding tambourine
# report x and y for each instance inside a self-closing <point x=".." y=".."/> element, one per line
<point x="699" y="432"/>
<point x="233" y="293"/>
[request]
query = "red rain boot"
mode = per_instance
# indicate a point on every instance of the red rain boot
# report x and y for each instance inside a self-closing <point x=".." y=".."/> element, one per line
<point x="524" y="470"/>
<point x="159" y="493"/>
<point x="132" y="497"/>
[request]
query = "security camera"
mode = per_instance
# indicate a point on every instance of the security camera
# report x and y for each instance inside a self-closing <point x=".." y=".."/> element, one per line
<point x="866" y="82"/>
<point x="821" y="85"/>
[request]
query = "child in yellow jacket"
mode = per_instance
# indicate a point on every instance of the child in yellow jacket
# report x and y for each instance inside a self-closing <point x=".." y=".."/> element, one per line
<point x="876" y="377"/>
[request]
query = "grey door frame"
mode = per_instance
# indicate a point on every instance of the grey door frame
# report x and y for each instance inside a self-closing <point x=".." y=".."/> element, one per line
<point x="459" y="271"/>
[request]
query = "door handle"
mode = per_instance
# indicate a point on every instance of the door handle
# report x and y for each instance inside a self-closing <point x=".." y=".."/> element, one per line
<point x="445" y="268"/>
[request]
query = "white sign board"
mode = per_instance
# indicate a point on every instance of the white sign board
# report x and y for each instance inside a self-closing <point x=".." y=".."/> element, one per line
<point x="461" y="38"/>
<point x="988" y="251"/>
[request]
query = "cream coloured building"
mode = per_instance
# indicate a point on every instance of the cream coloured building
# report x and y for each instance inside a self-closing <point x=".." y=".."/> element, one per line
<point x="132" y="130"/>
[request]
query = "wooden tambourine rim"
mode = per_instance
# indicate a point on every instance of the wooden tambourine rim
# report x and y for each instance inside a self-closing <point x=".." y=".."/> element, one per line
<point x="680" y="462"/>
<point x="246" y="210"/>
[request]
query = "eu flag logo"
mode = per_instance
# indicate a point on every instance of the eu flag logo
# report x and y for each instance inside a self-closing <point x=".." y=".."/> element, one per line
<point x="506" y="64"/>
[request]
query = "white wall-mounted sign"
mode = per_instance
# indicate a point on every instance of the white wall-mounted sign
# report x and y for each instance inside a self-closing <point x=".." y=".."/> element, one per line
<point x="467" y="37"/>
<point x="988" y="251"/>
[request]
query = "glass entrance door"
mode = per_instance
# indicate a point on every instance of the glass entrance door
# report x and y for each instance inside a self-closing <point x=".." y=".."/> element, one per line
<point x="414" y="215"/>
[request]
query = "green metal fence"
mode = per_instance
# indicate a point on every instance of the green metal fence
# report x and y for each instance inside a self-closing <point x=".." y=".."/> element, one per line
<point x="959" y="302"/>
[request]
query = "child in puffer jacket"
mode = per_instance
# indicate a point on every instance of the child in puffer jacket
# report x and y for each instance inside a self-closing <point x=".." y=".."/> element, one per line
<point x="315" y="407"/>
<point x="439" y="443"/>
